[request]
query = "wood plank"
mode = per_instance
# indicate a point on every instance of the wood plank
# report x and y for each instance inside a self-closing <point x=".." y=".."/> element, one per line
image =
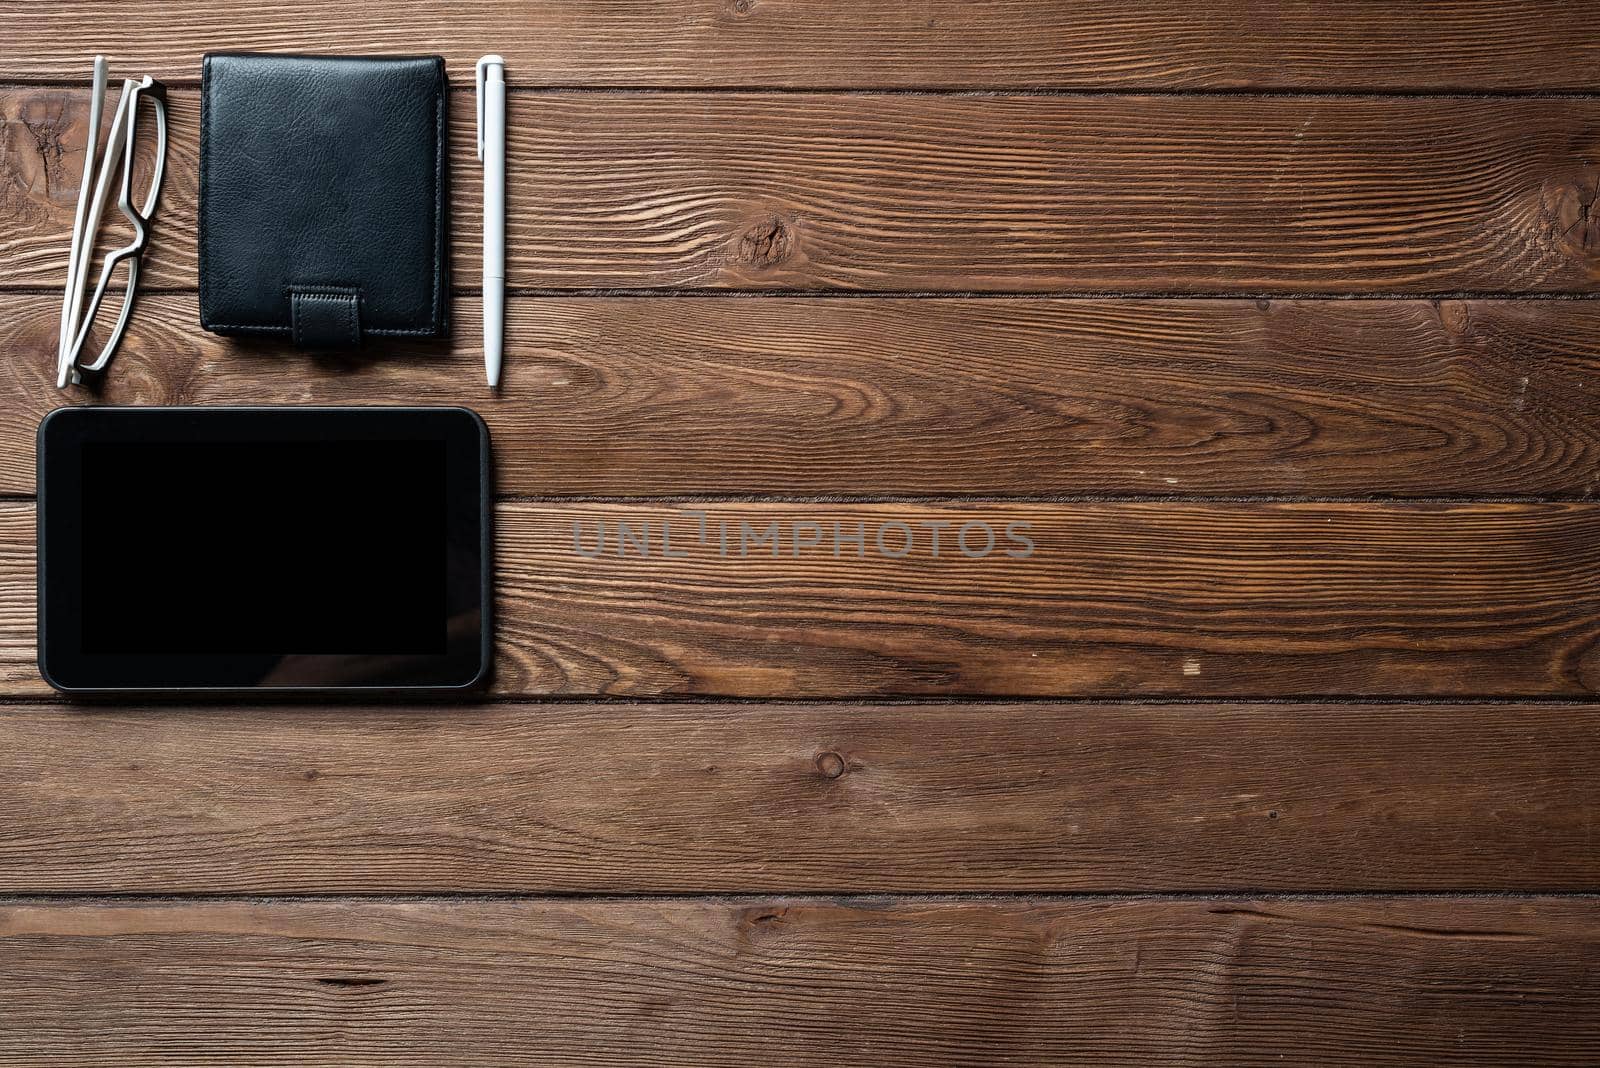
<point x="1224" y="195"/>
<point x="1162" y="44"/>
<point x="796" y="396"/>
<point x="1463" y="981"/>
<point x="1123" y="598"/>
<point x="759" y="798"/>
<point x="1127" y="598"/>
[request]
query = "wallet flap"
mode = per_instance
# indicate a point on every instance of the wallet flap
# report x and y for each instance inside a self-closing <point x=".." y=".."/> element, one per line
<point x="322" y="197"/>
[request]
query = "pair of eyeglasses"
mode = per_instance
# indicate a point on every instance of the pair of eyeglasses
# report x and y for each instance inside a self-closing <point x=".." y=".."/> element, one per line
<point x="76" y="317"/>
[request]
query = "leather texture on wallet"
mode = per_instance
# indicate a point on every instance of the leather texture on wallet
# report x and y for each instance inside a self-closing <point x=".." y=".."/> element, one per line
<point x="323" y="207"/>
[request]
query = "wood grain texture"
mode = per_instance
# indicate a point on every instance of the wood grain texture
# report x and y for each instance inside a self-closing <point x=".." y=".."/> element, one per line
<point x="913" y="884"/>
<point x="1129" y="194"/>
<point x="1122" y="598"/>
<point x="821" y="798"/>
<point x="808" y="44"/>
<point x="1152" y="599"/>
<point x="773" y="981"/>
<point x="44" y="133"/>
<point x="19" y="669"/>
<point x="1027" y="397"/>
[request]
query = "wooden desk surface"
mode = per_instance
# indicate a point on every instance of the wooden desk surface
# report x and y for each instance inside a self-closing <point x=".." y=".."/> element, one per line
<point x="1271" y="330"/>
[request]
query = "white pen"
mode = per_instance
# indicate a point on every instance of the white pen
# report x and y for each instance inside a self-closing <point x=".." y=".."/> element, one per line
<point x="491" y="84"/>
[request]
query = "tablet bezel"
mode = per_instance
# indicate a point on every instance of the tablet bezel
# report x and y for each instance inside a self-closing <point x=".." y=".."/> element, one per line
<point x="465" y="665"/>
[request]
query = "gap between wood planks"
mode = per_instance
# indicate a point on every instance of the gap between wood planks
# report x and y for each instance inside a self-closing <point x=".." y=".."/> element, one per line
<point x="844" y="898"/>
<point x="159" y="706"/>
<point x="1060" y="296"/>
<point x="985" y="498"/>
<point x="1041" y="92"/>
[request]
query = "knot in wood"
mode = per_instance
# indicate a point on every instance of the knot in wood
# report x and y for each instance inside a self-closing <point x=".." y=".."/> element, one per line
<point x="1455" y="316"/>
<point x="1569" y="210"/>
<point x="831" y="765"/>
<point x="49" y="121"/>
<point x="767" y="243"/>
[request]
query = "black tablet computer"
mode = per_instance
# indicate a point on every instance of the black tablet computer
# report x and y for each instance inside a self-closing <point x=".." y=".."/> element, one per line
<point x="221" y="550"/>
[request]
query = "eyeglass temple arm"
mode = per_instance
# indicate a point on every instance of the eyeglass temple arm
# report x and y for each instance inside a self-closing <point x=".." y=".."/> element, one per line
<point x="74" y="283"/>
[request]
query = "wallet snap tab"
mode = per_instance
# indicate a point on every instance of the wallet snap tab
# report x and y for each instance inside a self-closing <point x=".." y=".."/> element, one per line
<point x="325" y="317"/>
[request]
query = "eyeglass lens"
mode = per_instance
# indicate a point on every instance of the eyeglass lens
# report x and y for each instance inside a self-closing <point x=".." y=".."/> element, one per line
<point x="102" y="327"/>
<point x="149" y="121"/>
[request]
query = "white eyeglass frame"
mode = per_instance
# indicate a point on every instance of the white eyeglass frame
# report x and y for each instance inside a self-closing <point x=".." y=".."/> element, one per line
<point x="120" y="142"/>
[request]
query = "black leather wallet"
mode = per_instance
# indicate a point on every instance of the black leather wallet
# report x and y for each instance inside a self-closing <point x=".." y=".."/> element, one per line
<point x="323" y="207"/>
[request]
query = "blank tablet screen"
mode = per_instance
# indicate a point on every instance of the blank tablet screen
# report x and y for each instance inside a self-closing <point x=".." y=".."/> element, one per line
<point x="254" y="547"/>
<point x="217" y="549"/>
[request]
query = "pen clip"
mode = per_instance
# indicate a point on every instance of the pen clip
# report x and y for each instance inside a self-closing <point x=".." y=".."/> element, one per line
<point x="478" y="80"/>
